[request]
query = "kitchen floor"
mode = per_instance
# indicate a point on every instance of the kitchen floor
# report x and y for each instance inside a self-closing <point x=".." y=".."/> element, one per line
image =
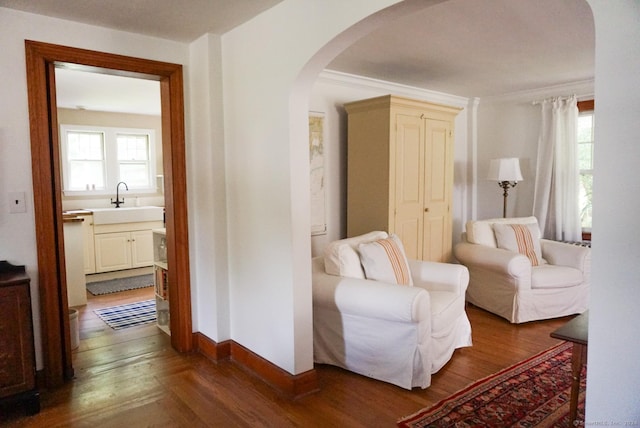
<point x="95" y="333"/>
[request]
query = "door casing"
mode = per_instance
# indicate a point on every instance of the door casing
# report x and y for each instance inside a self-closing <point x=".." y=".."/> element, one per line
<point x="42" y="59"/>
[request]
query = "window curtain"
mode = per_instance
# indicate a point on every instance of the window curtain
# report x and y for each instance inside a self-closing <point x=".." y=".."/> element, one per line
<point x="555" y="201"/>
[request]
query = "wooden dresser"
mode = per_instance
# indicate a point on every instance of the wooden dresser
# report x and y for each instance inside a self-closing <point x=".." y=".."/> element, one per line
<point x="17" y="355"/>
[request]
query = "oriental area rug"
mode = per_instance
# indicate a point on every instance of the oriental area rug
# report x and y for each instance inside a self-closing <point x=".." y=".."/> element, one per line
<point x="532" y="393"/>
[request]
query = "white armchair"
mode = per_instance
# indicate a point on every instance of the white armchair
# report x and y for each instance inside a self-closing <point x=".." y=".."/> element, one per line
<point x="505" y="282"/>
<point x="394" y="333"/>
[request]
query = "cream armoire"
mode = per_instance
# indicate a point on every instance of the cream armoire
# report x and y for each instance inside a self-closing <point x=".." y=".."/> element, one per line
<point x="400" y="173"/>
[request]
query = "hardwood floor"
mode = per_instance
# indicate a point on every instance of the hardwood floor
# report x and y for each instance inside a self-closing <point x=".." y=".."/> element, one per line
<point x="134" y="378"/>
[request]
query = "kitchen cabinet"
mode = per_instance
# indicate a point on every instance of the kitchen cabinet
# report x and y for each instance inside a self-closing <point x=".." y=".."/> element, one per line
<point x="17" y="355"/>
<point x="400" y="173"/>
<point x="88" y="244"/>
<point x="124" y="246"/>
<point x="74" y="259"/>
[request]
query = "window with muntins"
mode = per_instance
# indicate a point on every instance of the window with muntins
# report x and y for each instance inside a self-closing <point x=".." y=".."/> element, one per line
<point x="95" y="159"/>
<point x="586" y="141"/>
<point x="133" y="160"/>
<point x="85" y="162"/>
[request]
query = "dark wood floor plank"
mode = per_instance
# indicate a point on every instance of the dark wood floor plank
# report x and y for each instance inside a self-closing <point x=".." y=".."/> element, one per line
<point x="133" y="378"/>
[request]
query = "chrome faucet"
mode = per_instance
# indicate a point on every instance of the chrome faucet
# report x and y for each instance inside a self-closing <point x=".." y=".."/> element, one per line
<point x="118" y="201"/>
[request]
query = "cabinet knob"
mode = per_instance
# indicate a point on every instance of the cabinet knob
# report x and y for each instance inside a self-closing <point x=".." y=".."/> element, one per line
<point x="426" y="210"/>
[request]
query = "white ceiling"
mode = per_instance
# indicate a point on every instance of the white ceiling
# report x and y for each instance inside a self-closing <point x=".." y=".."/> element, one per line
<point x="180" y="20"/>
<point x="477" y="48"/>
<point x="83" y="90"/>
<point x="471" y="48"/>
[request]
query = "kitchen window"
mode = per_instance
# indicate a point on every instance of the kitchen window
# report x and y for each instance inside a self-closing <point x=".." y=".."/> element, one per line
<point x="95" y="159"/>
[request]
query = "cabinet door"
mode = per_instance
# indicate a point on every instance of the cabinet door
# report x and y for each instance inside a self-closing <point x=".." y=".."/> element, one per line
<point x="141" y="248"/>
<point x="88" y="242"/>
<point x="113" y="251"/>
<point x="408" y="188"/>
<point x="438" y="187"/>
<point x="17" y="371"/>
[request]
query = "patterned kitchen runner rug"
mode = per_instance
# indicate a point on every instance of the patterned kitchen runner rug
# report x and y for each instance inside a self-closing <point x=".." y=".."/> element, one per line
<point x="129" y="315"/>
<point x="533" y="393"/>
<point x="121" y="284"/>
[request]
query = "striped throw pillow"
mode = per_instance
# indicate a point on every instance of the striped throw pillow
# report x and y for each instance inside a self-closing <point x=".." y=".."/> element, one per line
<point x="521" y="238"/>
<point x="385" y="260"/>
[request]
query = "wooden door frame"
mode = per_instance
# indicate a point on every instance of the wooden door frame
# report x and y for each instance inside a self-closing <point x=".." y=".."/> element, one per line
<point x="41" y="60"/>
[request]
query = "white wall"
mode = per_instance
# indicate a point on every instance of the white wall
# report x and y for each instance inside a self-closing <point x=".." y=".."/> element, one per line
<point x="613" y="388"/>
<point x="509" y="126"/>
<point x="207" y="190"/>
<point x="17" y="231"/>
<point x="268" y="250"/>
<point x="506" y="126"/>
<point x="269" y="64"/>
<point x="329" y="94"/>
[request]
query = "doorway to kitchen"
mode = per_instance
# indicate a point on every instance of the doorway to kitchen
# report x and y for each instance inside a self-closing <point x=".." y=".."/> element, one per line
<point x="42" y="59"/>
<point x="110" y="132"/>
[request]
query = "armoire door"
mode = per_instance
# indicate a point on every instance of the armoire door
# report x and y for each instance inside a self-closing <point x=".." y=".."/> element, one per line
<point x="437" y="229"/>
<point x="408" y="187"/>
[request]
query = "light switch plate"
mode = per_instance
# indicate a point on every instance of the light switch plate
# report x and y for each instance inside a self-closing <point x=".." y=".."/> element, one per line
<point x="17" y="203"/>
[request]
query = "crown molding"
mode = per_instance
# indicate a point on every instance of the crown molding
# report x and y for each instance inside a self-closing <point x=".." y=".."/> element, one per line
<point x="583" y="89"/>
<point x="352" y="80"/>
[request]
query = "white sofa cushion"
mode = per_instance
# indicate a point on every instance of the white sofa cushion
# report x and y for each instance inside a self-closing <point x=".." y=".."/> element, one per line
<point x="385" y="260"/>
<point x="341" y="257"/>
<point x="481" y="231"/>
<point x="550" y="277"/>
<point x="520" y="238"/>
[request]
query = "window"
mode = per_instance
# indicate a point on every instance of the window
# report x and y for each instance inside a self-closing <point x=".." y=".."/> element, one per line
<point x="85" y="160"/>
<point x="133" y="160"/>
<point x="95" y="159"/>
<point x="586" y="122"/>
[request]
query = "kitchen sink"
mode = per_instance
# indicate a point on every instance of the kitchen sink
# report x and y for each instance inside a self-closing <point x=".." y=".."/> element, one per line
<point x="126" y="215"/>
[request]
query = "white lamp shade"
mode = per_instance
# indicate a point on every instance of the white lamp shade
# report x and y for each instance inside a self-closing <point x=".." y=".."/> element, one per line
<point x="505" y="169"/>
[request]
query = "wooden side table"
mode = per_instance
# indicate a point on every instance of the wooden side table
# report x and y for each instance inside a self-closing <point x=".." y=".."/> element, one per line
<point x="17" y="355"/>
<point x="577" y="332"/>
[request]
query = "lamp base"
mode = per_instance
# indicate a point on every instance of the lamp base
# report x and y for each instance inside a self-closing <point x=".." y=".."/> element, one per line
<point x="505" y="186"/>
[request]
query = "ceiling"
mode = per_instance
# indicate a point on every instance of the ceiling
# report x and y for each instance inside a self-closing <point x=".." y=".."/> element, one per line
<point x="470" y="48"/>
<point x="180" y="20"/>
<point x="476" y="48"/>
<point x="83" y="90"/>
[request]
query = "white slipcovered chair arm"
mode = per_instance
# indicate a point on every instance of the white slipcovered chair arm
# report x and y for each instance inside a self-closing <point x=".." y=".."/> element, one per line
<point x="434" y="276"/>
<point x="372" y="299"/>
<point x="495" y="259"/>
<point x="565" y="254"/>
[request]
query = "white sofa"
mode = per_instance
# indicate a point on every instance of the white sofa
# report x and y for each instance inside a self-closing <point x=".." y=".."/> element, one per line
<point x="394" y="333"/>
<point x="507" y="283"/>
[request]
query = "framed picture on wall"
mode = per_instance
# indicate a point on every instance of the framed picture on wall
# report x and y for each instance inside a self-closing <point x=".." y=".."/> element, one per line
<point x="316" y="159"/>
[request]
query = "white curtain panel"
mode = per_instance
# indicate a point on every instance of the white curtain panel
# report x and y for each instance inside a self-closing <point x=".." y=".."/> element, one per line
<point x="555" y="201"/>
